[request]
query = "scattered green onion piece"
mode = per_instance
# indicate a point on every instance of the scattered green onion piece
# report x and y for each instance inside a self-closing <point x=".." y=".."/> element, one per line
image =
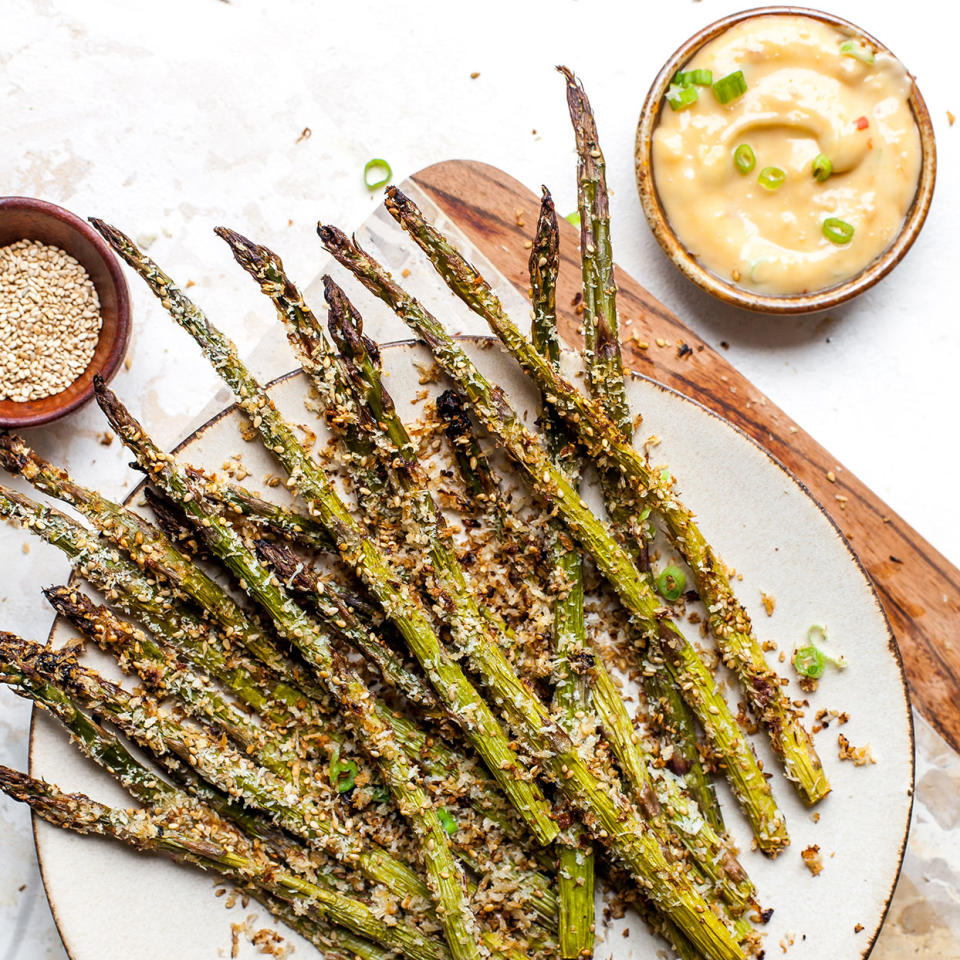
<point x="446" y="821"/>
<point x="671" y="582"/>
<point x="837" y="231"/>
<point x="380" y="794"/>
<point x="375" y="166"/>
<point x="702" y="78"/>
<point x="771" y="178"/>
<point x="343" y="774"/>
<point x="857" y="50"/>
<point x="730" y="87"/>
<point x="744" y="159"/>
<point x="822" y="167"/>
<point x="816" y="632"/>
<point x="665" y="475"/>
<point x="573" y="218"/>
<point x="680" y="98"/>
<point x="809" y="662"/>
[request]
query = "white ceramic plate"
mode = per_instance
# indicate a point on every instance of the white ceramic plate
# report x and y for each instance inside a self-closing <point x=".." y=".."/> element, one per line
<point x="110" y="902"/>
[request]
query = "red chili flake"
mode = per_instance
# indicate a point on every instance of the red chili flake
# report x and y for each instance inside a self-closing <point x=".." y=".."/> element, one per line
<point x="862" y="123"/>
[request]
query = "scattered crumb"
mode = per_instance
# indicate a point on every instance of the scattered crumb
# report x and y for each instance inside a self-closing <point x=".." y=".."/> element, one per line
<point x="105" y="438"/>
<point x="769" y="602"/>
<point x="305" y="134"/>
<point x="518" y="215"/>
<point x="950" y="118"/>
<point x="815" y="817"/>
<point x="811" y="857"/>
<point x="735" y="274"/>
<point x="842" y="500"/>
<point x="858" y="928"/>
<point x="21" y="888"/>
<point x="860" y="756"/>
<point x="474" y="75"/>
<point x="427" y="372"/>
<point x="127" y="363"/>
<point x="724" y="345"/>
<point x="831" y="476"/>
<point x="25" y="548"/>
<point x="405" y="272"/>
<point x="661" y="342"/>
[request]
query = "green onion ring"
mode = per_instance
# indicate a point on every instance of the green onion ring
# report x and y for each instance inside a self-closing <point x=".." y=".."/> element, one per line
<point x="671" y="583"/>
<point x="771" y="178"/>
<point x="744" y="159"/>
<point x="837" y="231"/>
<point x="375" y="165"/>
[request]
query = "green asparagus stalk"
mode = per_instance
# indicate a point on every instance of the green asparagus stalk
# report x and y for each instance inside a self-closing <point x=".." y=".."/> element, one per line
<point x="571" y="699"/>
<point x="605" y="377"/>
<point x="499" y="417"/>
<point x="370" y="481"/>
<point x="741" y="650"/>
<point x="287" y="710"/>
<point x="608" y="813"/>
<point x="359" y="553"/>
<point x="150" y="549"/>
<point x="183" y="835"/>
<point x="446" y="880"/>
<point x="289" y="525"/>
<point x="144" y="785"/>
<point x="164" y="675"/>
<point x="486" y="651"/>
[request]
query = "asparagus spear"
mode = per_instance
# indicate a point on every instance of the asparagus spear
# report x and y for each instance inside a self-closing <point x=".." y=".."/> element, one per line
<point x="358" y="552"/>
<point x="571" y="698"/>
<point x="187" y="837"/>
<point x="499" y="417"/>
<point x="164" y="675"/>
<point x="445" y="877"/>
<point x="605" y="377"/>
<point x="741" y="650"/>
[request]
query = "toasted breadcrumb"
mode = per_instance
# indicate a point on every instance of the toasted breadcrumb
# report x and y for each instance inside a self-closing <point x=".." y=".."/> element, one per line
<point x="811" y="857"/>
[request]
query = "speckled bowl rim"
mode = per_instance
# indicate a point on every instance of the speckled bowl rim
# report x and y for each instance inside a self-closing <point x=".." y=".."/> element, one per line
<point x="722" y="289"/>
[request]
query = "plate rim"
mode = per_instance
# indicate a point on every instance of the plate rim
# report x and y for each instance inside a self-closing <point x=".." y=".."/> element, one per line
<point x="407" y="342"/>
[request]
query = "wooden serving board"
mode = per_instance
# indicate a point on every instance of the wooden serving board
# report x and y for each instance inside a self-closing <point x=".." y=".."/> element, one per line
<point x="920" y="588"/>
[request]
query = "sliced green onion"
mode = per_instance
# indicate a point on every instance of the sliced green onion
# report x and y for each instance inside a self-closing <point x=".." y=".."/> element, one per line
<point x="665" y="475"/>
<point x="380" y="794"/>
<point x="730" y="87"/>
<point x="343" y="774"/>
<point x="702" y="78"/>
<point x="446" y="821"/>
<point x="573" y="218"/>
<point x="857" y="50"/>
<point x="771" y="178"/>
<point x="809" y="662"/>
<point x="837" y="231"/>
<point x="744" y="159"/>
<point x="376" y="167"/>
<point x="815" y="633"/>
<point x="680" y="98"/>
<point x="822" y="167"/>
<point x="671" y="582"/>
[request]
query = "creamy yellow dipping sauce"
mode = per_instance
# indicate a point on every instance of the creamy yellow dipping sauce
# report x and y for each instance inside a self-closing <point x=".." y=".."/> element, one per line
<point x="804" y="98"/>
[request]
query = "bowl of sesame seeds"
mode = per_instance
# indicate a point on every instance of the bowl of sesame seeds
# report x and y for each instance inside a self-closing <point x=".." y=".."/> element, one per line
<point x="64" y="312"/>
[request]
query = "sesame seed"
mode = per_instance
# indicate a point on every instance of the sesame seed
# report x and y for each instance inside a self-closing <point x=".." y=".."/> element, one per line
<point x="49" y="320"/>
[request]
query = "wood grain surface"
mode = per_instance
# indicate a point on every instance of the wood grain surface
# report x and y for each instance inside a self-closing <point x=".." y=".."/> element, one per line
<point x="920" y="588"/>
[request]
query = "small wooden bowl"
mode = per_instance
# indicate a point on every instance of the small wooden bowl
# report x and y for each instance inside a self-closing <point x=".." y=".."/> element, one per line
<point x="23" y="218"/>
<point x="728" y="292"/>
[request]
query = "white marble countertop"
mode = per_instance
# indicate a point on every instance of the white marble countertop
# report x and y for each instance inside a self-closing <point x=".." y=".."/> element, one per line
<point x="172" y="118"/>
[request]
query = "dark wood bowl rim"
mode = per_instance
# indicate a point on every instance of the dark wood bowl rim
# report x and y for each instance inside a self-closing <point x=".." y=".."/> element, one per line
<point x="52" y="409"/>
